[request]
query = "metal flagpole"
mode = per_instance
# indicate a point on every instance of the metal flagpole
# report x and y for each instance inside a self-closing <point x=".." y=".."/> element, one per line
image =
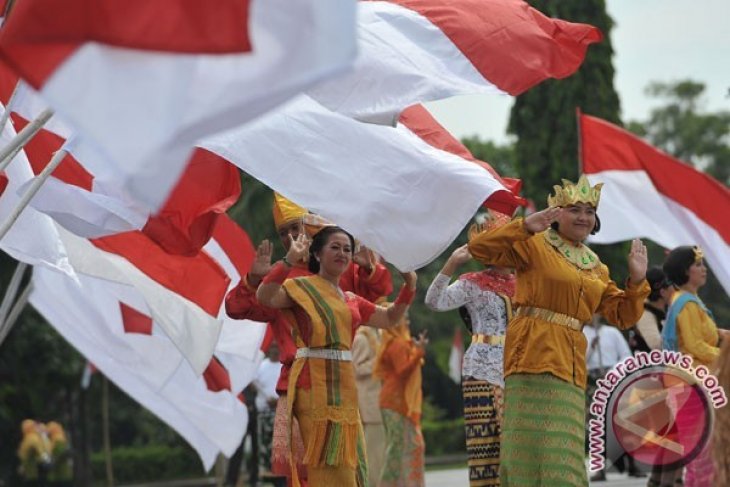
<point x="31" y="191"/>
<point x="11" y="291"/>
<point x="15" y="312"/>
<point x="6" y="113"/>
<point x="23" y="137"/>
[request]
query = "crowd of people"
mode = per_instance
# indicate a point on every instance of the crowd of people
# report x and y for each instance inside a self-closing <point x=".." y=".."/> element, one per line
<point x="544" y="317"/>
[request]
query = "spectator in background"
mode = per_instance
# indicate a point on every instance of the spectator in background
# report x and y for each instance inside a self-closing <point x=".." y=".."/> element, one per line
<point x="606" y="348"/>
<point x="266" y="401"/>
<point x="34" y="453"/>
<point x="61" y="472"/>
<point x="647" y="335"/>
<point x="364" y="352"/>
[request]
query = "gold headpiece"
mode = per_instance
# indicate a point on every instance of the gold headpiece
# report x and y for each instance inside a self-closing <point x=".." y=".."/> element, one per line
<point x="492" y="219"/>
<point x="570" y="194"/>
<point x="313" y="223"/>
<point x="286" y="210"/>
<point x="699" y="254"/>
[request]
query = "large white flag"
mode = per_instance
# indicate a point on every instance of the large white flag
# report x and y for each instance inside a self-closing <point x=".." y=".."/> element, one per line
<point x="413" y="51"/>
<point x="110" y="325"/>
<point x="143" y="82"/>
<point x="397" y="193"/>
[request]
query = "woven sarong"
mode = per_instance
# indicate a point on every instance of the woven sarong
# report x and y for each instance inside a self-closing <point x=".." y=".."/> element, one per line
<point x="405" y="453"/>
<point x="543" y="432"/>
<point x="483" y="408"/>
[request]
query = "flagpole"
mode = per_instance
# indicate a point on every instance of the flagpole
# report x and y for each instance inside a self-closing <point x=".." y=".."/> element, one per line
<point x="105" y="432"/>
<point x="6" y="113"/>
<point x="11" y="291"/>
<point x="578" y="114"/>
<point x="15" y="312"/>
<point x="23" y="137"/>
<point x="31" y="191"/>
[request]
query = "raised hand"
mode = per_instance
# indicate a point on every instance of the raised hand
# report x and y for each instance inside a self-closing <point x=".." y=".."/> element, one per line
<point x="458" y="257"/>
<point x="638" y="261"/>
<point x="364" y="257"/>
<point x="410" y="278"/>
<point x="299" y="249"/>
<point x="422" y="339"/>
<point x="262" y="262"/>
<point x="541" y="220"/>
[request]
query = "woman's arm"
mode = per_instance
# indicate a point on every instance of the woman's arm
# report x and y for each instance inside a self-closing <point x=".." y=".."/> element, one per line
<point x="388" y="316"/>
<point x="689" y="329"/>
<point x="271" y="293"/>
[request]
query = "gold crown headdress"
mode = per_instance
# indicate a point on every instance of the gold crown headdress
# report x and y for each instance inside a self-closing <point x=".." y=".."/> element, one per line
<point x="699" y="254"/>
<point x="570" y="194"/>
<point x="489" y="221"/>
<point x="285" y="210"/>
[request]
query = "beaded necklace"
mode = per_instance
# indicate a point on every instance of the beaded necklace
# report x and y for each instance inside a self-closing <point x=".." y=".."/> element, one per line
<point x="579" y="255"/>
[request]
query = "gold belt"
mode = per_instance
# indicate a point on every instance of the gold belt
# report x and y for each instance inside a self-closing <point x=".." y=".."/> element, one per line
<point x="488" y="339"/>
<point x="550" y="316"/>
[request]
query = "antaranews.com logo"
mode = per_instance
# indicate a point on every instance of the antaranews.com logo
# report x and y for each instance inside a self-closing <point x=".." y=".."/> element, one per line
<point x="655" y="407"/>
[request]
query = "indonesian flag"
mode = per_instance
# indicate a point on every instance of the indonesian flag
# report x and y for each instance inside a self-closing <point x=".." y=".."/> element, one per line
<point x="413" y="51"/>
<point x="33" y="238"/>
<point x="81" y="203"/>
<point x="649" y="194"/>
<point x="110" y="325"/>
<point x="456" y="357"/>
<point x="143" y="81"/>
<point x="403" y="196"/>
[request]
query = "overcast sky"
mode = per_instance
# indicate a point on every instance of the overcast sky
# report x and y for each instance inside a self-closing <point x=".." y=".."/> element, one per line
<point x="653" y="40"/>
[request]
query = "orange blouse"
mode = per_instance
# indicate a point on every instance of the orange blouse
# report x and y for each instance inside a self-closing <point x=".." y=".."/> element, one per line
<point x="546" y="279"/>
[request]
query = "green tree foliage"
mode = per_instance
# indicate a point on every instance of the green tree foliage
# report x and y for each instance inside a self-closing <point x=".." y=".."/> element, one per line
<point x="682" y="129"/>
<point x="544" y="117"/>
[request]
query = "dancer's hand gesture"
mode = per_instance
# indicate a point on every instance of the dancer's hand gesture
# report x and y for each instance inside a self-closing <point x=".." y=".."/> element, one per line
<point x="541" y="220"/>
<point x="638" y="261"/>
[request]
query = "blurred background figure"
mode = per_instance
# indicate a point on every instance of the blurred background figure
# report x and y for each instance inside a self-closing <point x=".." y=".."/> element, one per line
<point x="266" y="401"/>
<point x="364" y="352"/>
<point x="61" y="471"/>
<point x="399" y="364"/>
<point x="34" y="453"/>
<point x="647" y="334"/>
<point x="606" y="348"/>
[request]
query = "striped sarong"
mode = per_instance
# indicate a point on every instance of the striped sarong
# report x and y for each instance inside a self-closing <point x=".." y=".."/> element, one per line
<point x="543" y="432"/>
<point x="483" y="409"/>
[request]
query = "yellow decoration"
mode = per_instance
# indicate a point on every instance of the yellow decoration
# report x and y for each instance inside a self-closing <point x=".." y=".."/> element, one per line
<point x="492" y="220"/>
<point x="699" y="254"/>
<point x="286" y="210"/>
<point x="579" y="255"/>
<point x="570" y="194"/>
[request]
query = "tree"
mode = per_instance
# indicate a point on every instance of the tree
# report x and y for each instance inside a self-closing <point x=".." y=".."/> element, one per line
<point x="679" y="128"/>
<point x="544" y="118"/>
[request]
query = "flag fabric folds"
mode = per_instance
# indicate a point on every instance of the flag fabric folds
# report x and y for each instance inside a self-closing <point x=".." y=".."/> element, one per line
<point x="143" y="97"/>
<point x="413" y="51"/>
<point x="649" y="194"/>
<point x="397" y="193"/>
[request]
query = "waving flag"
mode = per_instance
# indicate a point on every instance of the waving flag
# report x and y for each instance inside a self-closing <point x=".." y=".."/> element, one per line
<point x="33" y="238"/>
<point x="387" y="186"/>
<point x="143" y="81"/>
<point x="110" y="325"/>
<point x="649" y="194"/>
<point x="413" y="51"/>
<point x="81" y="203"/>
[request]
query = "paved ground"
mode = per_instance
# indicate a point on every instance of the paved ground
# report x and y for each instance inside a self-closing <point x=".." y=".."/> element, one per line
<point x="458" y="477"/>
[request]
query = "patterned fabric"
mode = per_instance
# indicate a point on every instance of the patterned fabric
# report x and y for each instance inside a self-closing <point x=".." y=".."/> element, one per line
<point x="333" y="437"/>
<point x="542" y="433"/>
<point x="404" y="455"/>
<point x="280" y="464"/>
<point x="488" y="314"/>
<point x="483" y="411"/>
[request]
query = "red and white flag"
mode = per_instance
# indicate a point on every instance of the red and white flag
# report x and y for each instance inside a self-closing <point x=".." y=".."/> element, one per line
<point x="86" y="206"/>
<point x="33" y="238"/>
<point x="111" y="326"/>
<point x="413" y="51"/>
<point x="403" y="196"/>
<point x="456" y="356"/>
<point x="649" y="194"/>
<point x="143" y="81"/>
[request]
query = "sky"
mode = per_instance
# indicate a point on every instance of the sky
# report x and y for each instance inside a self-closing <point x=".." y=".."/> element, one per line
<point x="653" y="40"/>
